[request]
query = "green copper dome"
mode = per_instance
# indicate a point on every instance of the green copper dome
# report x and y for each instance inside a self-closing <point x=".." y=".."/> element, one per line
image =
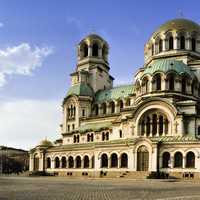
<point x="80" y="89"/>
<point x="167" y="65"/>
<point x="178" y="24"/>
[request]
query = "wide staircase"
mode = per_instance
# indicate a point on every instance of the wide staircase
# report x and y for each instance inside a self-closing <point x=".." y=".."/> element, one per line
<point x="134" y="175"/>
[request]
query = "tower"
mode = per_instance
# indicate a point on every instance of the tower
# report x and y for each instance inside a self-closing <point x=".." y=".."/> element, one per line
<point x="92" y="64"/>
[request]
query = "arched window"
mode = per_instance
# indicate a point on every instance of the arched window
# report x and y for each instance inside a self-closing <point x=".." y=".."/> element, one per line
<point x="95" y="49"/>
<point x="114" y="160"/>
<point x="96" y="109"/>
<point x="165" y="159"/>
<point x="104" y="52"/>
<point x="124" y="160"/>
<point x="57" y="162"/>
<point x="78" y="162"/>
<point x="36" y="162"/>
<point x="158" y="82"/>
<point x="171" y="43"/>
<point x="104" y="108"/>
<point x="92" y="137"/>
<point x="103" y="136"/>
<point x="93" y="161"/>
<point x="152" y="49"/>
<point x="171" y="82"/>
<point x="71" y="162"/>
<point x="148" y="125"/>
<point x="85" y="50"/>
<point x="193" y="44"/>
<point x="198" y="131"/>
<point x="190" y="160"/>
<point x="154" y="130"/>
<point x="143" y="127"/>
<point x="63" y="162"/>
<point x="182" y="41"/>
<point x="178" y="160"/>
<point x="193" y="87"/>
<point x="183" y="85"/>
<point x="160" y="124"/>
<point x="48" y="162"/>
<point x="112" y="106"/>
<point x="86" y="162"/>
<point x="121" y="104"/>
<point x="104" y="161"/>
<point x="120" y="134"/>
<point x="160" y="45"/>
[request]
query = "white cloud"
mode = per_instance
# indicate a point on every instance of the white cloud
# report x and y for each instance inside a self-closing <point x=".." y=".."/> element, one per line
<point x="25" y="122"/>
<point x="1" y="24"/>
<point x="21" y="60"/>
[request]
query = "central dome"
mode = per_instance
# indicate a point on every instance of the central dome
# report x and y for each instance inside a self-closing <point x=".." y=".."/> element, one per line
<point x="178" y="24"/>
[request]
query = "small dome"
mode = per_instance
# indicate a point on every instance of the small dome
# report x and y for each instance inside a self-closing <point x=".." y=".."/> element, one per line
<point x="167" y="65"/>
<point x="46" y="143"/>
<point x="178" y="24"/>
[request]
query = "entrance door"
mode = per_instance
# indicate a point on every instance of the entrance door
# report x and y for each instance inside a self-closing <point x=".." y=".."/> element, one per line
<point x="142" y="159"/>
<point x="36" y="163"/>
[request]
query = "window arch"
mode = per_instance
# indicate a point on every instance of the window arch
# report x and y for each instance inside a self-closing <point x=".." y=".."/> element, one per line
<point x="86" y="162"/>
<point x="85" y="50"/>
<point x="48" y="162"/>
<point x="190" y="160"/>
<point x="157" y="82"/>
<point x="160" y="45"/>
<point x="78" y="162"/>
<point x="165" y="160"/>
<point x="71" y="162"/>
<point x="112" y="106"/>
<point x="114" y="160"/>
<point x="178" y="160"/>
<point x="104" y="108"/>
<point x="124" y="160"/>
<point x="95" y="49"/>
<point x="171" y="43"/>
<point x="121" y="104"/>
<point x="171" y="82"/>
<point x="96" y="109"/>
<point x="104" y="161"/>
<point x="63" y="162"/>
<point x="183" y="85"/>
<point x="193" y="87"/>
<point x="57" y="162"/>
<point x="182" y="42"/>
<point x="193" y="44"/>
<point x="145" y="85"/>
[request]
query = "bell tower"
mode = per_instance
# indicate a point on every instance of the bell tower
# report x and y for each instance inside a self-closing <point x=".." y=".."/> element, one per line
<point x="92" y="63"/>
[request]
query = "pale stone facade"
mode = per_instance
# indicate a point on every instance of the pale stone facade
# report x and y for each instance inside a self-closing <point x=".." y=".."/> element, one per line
<point x="149" y="126"/>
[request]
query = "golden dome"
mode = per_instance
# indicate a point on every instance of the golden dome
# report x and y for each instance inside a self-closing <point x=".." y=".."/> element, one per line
<point x="46" y="143"/>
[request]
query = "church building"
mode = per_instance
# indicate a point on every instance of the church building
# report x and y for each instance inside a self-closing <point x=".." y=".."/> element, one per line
<point x="149" y="125"/>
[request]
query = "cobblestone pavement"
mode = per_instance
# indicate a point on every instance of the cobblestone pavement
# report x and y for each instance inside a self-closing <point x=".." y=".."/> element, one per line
<point x="58" y="188"/>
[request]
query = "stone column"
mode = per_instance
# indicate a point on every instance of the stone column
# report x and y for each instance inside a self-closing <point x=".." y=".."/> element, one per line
<point x="100" y="52"/>
<point x="151" y="127"/>
<point x="109" y="162"/>
<point x="119" y="162"/>
<point x="188" y="44"/>
<point x="184" y="162"/>
<point x="157" y="132"/>
<point x="176" y="42"/>
<point x="31" y="163"/>
<point x="164" y="44"/>
<point x="89" y="50"/>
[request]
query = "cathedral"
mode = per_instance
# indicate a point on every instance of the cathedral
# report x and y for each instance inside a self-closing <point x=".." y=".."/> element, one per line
<point x="150" y="125"/>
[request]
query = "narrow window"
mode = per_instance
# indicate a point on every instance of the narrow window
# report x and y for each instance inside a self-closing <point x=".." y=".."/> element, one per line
<point x="182" y="42"/>
<point x="68" y="128"/>
<point x="120" y="133"/>
<point x="95" y="49"/>
<point x="160" y="46"/>
<point x="171" y="43"/>
<point x="193" y="44"/>
<point x="83" y="113"/>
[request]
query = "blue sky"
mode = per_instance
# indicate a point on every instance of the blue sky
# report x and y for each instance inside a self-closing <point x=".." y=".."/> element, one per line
<point x="38" y="52"/>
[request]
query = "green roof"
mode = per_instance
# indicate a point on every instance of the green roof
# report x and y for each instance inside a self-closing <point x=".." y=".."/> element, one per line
<point x="94" y="126"/>
<point x="114" y="93"/>
<point x="178" y="24"/>
<point x="80" y="89"/>
<point x="166" y="65"/>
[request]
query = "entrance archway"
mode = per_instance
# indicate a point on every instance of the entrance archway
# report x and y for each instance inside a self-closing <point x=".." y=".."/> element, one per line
<point x="142" y="158"/>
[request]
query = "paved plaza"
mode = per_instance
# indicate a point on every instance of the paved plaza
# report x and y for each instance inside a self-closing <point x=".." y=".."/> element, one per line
<point x="58" y="188"/>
